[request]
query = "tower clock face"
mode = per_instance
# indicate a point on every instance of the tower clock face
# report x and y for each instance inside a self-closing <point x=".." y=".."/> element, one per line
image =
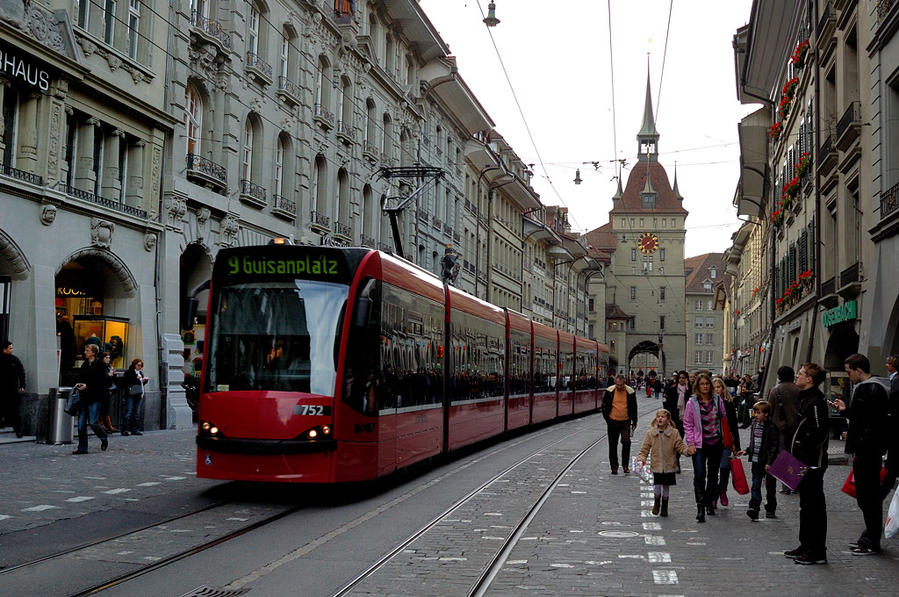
<point x="648" y="243"/>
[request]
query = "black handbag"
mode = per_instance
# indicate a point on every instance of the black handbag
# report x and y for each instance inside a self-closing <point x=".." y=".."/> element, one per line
<point x="73" y="403"/>
<point x="135" y="389"/>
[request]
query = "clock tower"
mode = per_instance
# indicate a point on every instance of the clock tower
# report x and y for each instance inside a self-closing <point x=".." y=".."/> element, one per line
<point x="645" y="279"/>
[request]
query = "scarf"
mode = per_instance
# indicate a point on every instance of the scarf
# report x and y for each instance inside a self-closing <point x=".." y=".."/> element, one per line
<point x="681" y="397"/>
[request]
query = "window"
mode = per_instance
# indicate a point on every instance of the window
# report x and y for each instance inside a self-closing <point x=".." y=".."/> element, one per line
<point x="83" y="8"/>
<point x="98" y="160"/>
<point x="633" y="323"/>
<point x="193" y="119"/>
<point x="133" y="26"/>
<point x="709" y="306"/>
<point x="713" y="273"/>
<point x="708" y="356"/>
<point x="709" y="322"/>
<point x="285" y="55"/>
<point x="697" y="357"/>
<point x="10" y="124"/>
<point x="590" y="305"/>
<point x="647" y="265"/>
<point x="664" y="222"/>
<point x="649" y="201"/>
<point x="253" y="31"/>
<point x="108" y="20"/>
<point x="279" y="166"/>
<point x="707" y="286"/>
<point x="697" y="339"/>
<point x="661" y="254"/>
<point x="633" y="293"/>
<point x="709" y="339"/>
<point x="698" y="322"/>
<point x="661" y="322"/>
<point x="662" y="293"/>
<point x="633" y="254"/>
<point x="246" y="162"/>
<point x="699" y="305"/>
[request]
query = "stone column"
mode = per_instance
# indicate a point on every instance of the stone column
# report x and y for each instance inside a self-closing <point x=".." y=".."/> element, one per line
<point x="85" y="178"/>
<point x="134" y="189"/>
<point x="112" y="182"/>
<point x="26" y="156"/>
<point x="65" y="175"/>
<point x="178" y="413"/>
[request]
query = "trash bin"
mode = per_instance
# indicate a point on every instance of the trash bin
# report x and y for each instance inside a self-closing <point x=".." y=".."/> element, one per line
<point x="62" y="424"/>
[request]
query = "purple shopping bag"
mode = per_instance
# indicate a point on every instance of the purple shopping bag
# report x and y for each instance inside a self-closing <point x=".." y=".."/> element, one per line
<point x="787" y="469"/>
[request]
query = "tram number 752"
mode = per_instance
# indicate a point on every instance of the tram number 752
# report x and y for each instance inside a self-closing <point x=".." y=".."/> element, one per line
<point x="313" y="410"/>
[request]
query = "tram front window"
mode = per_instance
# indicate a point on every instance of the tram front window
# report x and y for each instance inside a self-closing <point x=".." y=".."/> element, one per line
<point x="276" y="336"/>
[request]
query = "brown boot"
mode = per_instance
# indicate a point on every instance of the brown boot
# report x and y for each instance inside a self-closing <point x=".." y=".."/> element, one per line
<point x="107" y="422"/>
<point x="655" y="506"/>
<point x="664" y="507"/>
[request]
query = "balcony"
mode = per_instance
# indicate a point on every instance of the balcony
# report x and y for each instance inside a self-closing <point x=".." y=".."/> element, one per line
<point x="252" y="193"/>
<point x="102" y="201"/>
<point x="319" y="222"/>
<point x="889" y="202"/>
<point x="323" y="117"/>
<point x="211" y="31"/>
<point x="258" y="68"/>
<point x="436" y="223"/>
<point x="849" y="125"/>
<point x="850" y="281"/>
<point x="447" y="229"/>
<point x="827" y="157"/>
<point x="825" y="29"/>
<point x="21" y="175"/>
<point x="423" y="216"/>
<point x="369" y="152"/>
<point x="284" y="207"/>
<point x="345" y="132"/>
<point x="367" y="241"/>
<point x="883" y="10"/>
<point x="289" y="91"/>
<point x="343" y="231"/>
<point x="206" y="173"/>
<point x="828" y="296"/>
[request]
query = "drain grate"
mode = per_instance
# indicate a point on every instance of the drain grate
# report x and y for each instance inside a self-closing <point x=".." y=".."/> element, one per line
<point x="204" y="591"/>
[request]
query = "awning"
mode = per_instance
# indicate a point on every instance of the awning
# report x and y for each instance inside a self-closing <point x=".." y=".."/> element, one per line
<point x="753" y="133"/>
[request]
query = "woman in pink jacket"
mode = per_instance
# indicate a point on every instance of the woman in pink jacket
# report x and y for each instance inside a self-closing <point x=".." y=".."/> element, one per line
<point x="706" y="430"/>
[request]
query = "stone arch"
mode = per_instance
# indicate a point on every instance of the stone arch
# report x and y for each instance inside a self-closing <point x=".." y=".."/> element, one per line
<point x="14" y="263"/>
<point x="126" y="285"/>
<point x="195" y="267"/>
<point x="650" y="347"/>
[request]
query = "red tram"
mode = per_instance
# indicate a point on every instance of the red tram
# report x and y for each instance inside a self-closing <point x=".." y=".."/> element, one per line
<point x="330" y="365"/>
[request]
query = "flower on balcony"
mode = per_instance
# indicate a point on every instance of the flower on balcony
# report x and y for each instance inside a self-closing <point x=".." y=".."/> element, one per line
<point x="777" y="217"/>
<point x="779" y="302"/>
<point x="784" y="107"/>
<point x="802" y="166"/>
<point x="775" y="130"/>
<point x="807" y="274"/>
<point x="737" y="312"/>
<point x="798" y="58"/>
<point x="790" y="88"/>
<point x="755" y="290"/>
<point x="790" y="190"/>
<point x="792" y="290"/>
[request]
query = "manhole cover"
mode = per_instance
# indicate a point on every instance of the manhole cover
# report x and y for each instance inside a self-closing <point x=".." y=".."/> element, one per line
<point x="618" y="534"/>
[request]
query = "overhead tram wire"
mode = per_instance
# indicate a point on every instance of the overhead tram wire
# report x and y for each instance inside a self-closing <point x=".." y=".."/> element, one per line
<point x="524" y="120"/>
<point x="612" y="75"/>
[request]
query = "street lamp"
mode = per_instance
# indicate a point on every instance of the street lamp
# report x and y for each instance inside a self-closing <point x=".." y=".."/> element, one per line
<point x="491" y="20"/>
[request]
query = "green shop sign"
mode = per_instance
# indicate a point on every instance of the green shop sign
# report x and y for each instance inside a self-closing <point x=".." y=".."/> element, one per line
<point x="845" y="312"/>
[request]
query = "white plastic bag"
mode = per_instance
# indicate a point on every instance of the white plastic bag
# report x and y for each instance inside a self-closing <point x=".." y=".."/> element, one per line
<point x="642" y="469"/>
<point x="891" y="527"/>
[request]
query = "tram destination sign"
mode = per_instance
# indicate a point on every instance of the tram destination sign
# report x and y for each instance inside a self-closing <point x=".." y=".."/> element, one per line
<point x="848" y="311"/>
<point x="257" y="263"/>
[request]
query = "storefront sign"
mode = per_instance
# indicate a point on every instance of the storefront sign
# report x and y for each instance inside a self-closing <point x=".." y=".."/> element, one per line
<point x="846" y="312"/>
<point x="15" y="67"/>
<point x="62" y="291"/>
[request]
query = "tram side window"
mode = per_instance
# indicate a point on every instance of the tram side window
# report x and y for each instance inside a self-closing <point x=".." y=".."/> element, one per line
<point x="519" y="364"/>
<point x="566" y="372"/>
<point x="363" y="379"/>
<point x="545" y="367"/>
<point x="412" y="342"/>
<point x="479" y="371"/>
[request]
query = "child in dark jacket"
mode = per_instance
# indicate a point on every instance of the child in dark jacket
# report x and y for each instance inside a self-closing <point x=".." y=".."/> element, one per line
<point x="762" y="450"/>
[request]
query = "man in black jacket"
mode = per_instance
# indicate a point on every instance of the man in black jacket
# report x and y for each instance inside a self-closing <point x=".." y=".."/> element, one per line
<point x="866" y="440"/>
<point x="810" y="447"/>
<point x="892" y="462"/>
<point x="619" y="408"/>
<point x="12" y="386"/>
<point x="784" y="401"/>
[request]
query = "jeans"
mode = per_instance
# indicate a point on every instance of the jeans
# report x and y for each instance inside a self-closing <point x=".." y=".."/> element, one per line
<point x="618" y="429"/>
<point x="813" y="513"/>
<point x="89" y="415"/>
<point x="724" y="474"/>
<point x="706" y="464"/>
<point x="133" y="406"/>
<point x="755" y="493"/>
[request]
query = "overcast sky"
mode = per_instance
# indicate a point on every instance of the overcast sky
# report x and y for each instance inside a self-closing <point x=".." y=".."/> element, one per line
<point x="557" y="58"/>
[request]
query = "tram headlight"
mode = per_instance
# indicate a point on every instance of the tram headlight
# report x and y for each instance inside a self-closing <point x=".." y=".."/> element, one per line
<point x="319" y="433"/>
<point x="313" y="433"/>
<point x="209" y="428"/>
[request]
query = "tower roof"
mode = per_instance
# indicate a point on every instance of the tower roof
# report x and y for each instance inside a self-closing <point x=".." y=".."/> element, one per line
<point x="653" y="176"/>
<point x="648" y="129"/>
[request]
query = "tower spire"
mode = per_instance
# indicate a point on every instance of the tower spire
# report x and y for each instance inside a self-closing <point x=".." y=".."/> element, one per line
<point x="675" y="189"/>
<point x="648" y="137"/>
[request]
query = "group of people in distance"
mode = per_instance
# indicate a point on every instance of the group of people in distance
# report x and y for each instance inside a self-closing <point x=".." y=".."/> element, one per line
<point x="699" y="419"/>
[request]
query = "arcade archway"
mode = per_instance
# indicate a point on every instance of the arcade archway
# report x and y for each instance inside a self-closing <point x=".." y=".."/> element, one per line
<point x="646" y="356"/>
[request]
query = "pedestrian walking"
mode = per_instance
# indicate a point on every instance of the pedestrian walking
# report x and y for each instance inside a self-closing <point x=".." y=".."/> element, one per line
<point x="106" y="399"/>
<point x="745" y="390"/>
<point x="809" y="446"/>
<point x="764" y="445"/>
<point x="92" y="384"/>
<point x="135" y="386"/>
<point x="705" y="428"/>
<point x="12" y="386"/>
<point x="720" y="390"/>
<point x="676" y="397"/>
<point x="892" y="461"/>
<point x="866" y="440"/>
<point x="661" y="445"/>
<point x="784" y="401"/>
<point x="620" y="412"/>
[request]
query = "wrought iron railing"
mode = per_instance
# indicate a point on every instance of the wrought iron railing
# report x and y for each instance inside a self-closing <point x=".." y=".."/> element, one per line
<point x="320" y="219"/>
<point x="212" y="28"/>
<point x="370" y="149"/>
<point x="828" y="286"/>
<point x="108" y="203"/>
<point x="889" y="201"/>
<point x="852" y="114"/>
<point x="22" y="175"/>
<point x="205" y="166"/>
<point x="284" y="204"/>
<point x="367" y="241"/>
<point x="342" y="229"/>
<point x="883" y="8"/>
<point x="289" y="87"/>
<point x="251" y="189"/>
<point x="254" y="61"/>
<point x="849" y="275"/>
<point x="324" y="114"/>
<point x="423" y="216"/>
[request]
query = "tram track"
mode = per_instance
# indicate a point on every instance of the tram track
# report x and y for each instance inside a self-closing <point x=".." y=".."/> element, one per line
<point x="489" y="572"/>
